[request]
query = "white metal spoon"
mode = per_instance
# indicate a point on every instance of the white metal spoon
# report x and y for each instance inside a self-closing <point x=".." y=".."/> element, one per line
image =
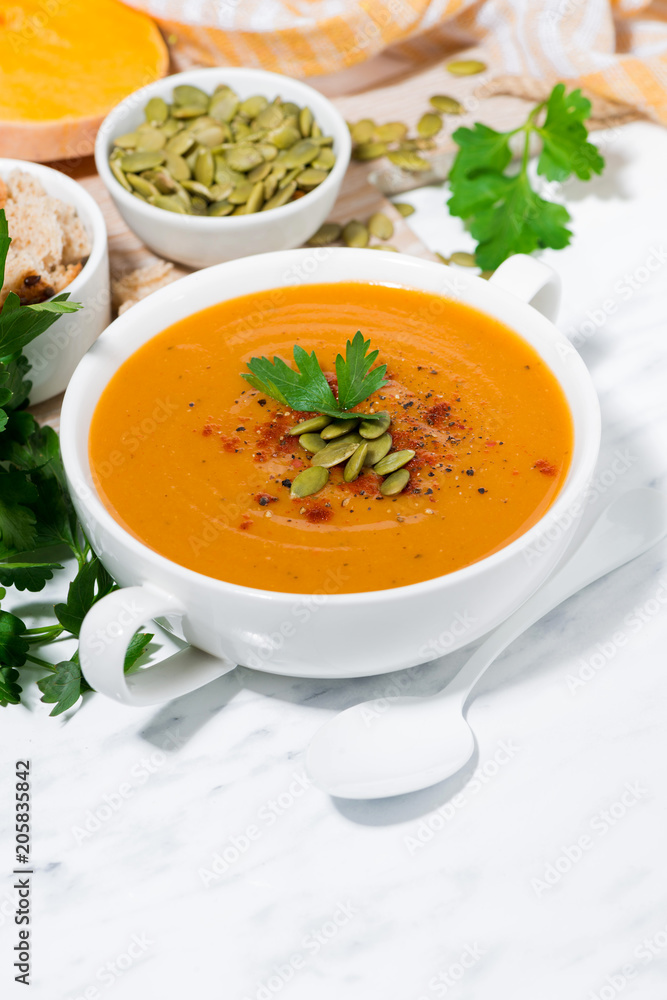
<point x="377" y="749"/>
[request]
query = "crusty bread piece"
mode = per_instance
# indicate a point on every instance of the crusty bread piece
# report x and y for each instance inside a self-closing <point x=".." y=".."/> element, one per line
<point x="129" y="288"/>
<point x="49" y="244"/>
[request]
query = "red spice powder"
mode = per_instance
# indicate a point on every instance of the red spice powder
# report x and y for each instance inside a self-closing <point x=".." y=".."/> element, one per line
<point x="229" y="443"/>
<point x="437" y="414"/>
<point x="319" y="513"/>
<point x="546" y="468"/>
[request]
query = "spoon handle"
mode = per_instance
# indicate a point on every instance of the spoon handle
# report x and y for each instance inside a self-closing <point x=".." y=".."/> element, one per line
<point x="630" y="525"/>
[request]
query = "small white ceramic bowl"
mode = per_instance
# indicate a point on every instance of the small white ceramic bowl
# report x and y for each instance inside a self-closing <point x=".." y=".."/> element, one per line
<point x="341" y="635"/>
<point x="200" y="241"/>
<point x="55" y="354"/>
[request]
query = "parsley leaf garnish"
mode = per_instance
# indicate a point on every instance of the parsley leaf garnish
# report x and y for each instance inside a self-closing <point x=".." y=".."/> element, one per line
<point x="306" y="388"/>
<point x="504" y="213"/>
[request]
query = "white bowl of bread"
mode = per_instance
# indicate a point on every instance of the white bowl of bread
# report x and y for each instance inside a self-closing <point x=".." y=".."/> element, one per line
<point x="59" y="244"/>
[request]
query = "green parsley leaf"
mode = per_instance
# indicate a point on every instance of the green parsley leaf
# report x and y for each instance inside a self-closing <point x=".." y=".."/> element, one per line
<point x="64" y="686"/>
<point x="566" y="149"/>
<point x="10" y="689"/>
<point x="306" y="388"/>
<point x="27" y="575"/>
<point x="5" y="240"/>
<point x="504" y="213"/>
<point x="135" y="650"/>
<point x="355" y="383"/>
<point x="13" y="645"/>
<point x="90" y="584"/>
<point x="17" y="521"/>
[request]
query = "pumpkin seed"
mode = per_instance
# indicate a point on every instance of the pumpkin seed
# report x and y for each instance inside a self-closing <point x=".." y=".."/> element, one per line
<point x="169" y="202"/>
<point x="312" y="424"/>
<point x="270" y="187"/>
<point x="404" y="208"/>
<point x="441" y="257"/>
<point x="355" y="234"/>
<point x="284" y="137"/>
<point x="185" y="94"/>
<point x="446" y="105"/>
<point x="384" y="246"/>
<point x="338" y="428"/>
<point x="378" y="448"/>
<point x="429" y="124"/>
<point x="219" y="208"/>
<point x="316" y="133"/>
<point x="390" y="463"/>
<point x="269" y="117"/>
<point x="268" y="151"/>
<point x="161" y="179"/>
<point x="196" y="187"/>
<point x="223" y="105"/>
<point x="180" y="143"/>
<point x="362" y="131"/>
<point x="280" y="198"/>
<point x="463" y="259"/>
<point x="156" y="111"/>
<point x="395" y="483"/>
<point x="255" y="199"/>
<point x="290" y="176"/>
<point x="143" y="186"/>
<point x="465" y="67"/>
<point x="380" y="225"/>
<point x="328" y="233"/>
<point x="210" y="136"/>
<point x="408" y="161"/>
<point x="310" y="178"/>
<point x="116" y="170"/>
<point x="301" y="153"/>
<point x="259" y="173"/>
<point x="370" y="151"/>
<point x="372" y="429"/>
<point x="188" y="111"/>
<point x="176" y="166"/>
<point x="305" y="122"/>
<point x="127" y="141"/>
<point x="244" y="158"/>
<point x="312" y="443"/>
<point x="220" y="191"/>
<point x="356" y="463"/>
<point x="289" y="107"/>
<point x="134" y="163"/>
<point x="241" y="193"/>
<point x="336" y="452"/>
<point x="326" y="159"/>
<point x="171" y="127"/>
<point x="252" y="106"/>
<point x="391" y="132"/>
<point x="151" y="138"/>
<point x="204" y="167"/>
<point x="199" y="205"/>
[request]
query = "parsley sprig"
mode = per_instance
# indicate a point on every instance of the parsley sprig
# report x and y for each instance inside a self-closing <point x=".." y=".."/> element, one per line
<point x="305" y="388"/>
<point x="37" y="520"/>
<point x="504" y="213"/>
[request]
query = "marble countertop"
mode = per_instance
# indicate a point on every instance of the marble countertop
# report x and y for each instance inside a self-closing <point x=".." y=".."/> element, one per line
<point x="181" y="852"/>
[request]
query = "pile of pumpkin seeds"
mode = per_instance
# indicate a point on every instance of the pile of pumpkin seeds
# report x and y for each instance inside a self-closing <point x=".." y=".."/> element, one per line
<point x="371" y="141"/>
<point x="215" y="155"/>
<point x="355" y="233"/>
<point x="357" y="444"/>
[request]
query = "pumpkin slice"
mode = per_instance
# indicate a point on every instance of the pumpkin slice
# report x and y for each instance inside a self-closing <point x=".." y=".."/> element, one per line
<point x="63" y="65"/>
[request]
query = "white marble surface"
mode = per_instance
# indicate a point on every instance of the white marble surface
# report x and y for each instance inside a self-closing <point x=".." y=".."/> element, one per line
<point x="443" y="893"/>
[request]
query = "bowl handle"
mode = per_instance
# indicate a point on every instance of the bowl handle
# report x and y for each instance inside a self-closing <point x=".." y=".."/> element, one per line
<point x="106" y="633"/>
<point x="531" y="281"/>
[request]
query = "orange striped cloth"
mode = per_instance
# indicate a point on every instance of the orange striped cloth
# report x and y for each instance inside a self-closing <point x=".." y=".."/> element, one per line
<point x="617" y="48"/>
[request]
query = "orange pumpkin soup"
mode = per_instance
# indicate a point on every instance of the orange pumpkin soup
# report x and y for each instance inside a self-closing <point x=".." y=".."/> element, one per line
<point x="198" y="465"/>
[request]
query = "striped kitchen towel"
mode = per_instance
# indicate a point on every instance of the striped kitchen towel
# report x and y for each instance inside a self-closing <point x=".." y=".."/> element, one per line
<point x="616" y="48"/>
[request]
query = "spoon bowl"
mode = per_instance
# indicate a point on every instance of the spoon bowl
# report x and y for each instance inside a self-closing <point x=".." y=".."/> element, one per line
<point x="389" y="747"/>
